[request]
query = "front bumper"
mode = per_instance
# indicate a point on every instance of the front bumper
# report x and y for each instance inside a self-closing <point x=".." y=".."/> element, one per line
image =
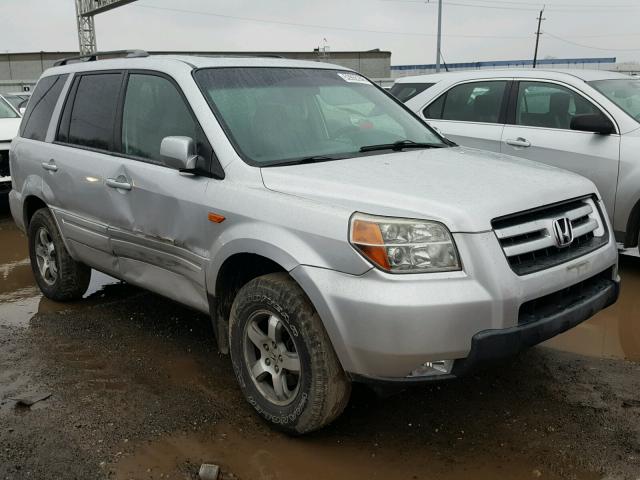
<point x="490" y="346"/>
<point x="385" y="326"/>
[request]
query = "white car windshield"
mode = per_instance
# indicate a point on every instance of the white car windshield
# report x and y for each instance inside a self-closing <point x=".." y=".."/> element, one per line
<point x="624" y="93"/>
<point x="288" y="115"/>
<point x="6" y="111"/>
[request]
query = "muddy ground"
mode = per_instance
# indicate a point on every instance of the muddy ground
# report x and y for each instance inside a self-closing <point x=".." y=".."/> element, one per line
<point x="138" y="391"/>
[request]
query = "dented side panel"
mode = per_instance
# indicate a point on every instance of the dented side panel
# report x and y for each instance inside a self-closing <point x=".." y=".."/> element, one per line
<point x="158" y="229"/>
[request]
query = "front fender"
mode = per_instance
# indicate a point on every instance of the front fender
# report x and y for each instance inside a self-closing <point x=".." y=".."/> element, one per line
<point x="286" y="247"/>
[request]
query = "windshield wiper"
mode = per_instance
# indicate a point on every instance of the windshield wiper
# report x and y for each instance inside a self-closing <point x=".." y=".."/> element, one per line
<point x="301" y="161"/>
<point x="400" y="145"/>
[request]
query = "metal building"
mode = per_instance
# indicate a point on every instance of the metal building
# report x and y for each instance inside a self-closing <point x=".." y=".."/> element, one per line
<point x="20" y="71"/>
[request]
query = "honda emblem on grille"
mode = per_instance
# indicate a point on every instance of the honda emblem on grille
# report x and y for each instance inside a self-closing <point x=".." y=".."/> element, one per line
<point x="563" y="231"/>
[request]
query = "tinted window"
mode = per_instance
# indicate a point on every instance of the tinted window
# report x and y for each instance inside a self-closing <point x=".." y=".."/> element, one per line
<point x="40" y="108"/>
<point x="435" y="109"/>
<point x="470" y="102"/>
<point x="406" y="91"/>
<point x="549" y="105"/>
<point x="93" y="110"/>
<point x="154" y="109"/>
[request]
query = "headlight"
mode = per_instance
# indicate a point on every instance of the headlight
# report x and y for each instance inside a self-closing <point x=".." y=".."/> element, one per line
<point x="400" y="245"/>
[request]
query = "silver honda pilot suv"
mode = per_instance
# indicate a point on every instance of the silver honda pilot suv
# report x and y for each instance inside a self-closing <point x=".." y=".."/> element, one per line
<point x="331" y="235"/>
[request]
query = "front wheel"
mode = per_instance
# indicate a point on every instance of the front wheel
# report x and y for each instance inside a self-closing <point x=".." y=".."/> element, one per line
<point x="58" y="275"/>
<point x="283" y="358"/>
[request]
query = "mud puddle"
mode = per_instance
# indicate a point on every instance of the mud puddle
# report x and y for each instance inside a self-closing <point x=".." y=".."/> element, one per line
<point x="614" y="332"/>
<point x="20" y="297"/>
<point x="271" y="456"/>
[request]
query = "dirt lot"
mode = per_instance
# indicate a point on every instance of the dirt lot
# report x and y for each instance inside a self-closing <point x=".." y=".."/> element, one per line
<point x="138" y="391"/>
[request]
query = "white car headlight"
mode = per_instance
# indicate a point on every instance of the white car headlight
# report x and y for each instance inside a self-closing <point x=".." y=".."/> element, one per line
<point x="400" y="245"/>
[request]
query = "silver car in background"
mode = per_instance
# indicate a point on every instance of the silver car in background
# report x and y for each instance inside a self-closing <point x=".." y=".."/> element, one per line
<point x="328" y="232"/>
<point x="586" y="121"/>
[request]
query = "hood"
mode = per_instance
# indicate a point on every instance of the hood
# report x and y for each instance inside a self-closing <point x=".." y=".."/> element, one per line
<point x="463" y="188"/>
<point x="9" y="128"/>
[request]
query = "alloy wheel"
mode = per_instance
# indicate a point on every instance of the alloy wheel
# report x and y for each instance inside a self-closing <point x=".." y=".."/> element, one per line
<point x="271" y="358"/>
<point x="46" y="256"/>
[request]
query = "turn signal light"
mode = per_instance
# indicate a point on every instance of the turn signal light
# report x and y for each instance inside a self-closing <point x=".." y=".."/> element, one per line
<point x="216" y="218"/>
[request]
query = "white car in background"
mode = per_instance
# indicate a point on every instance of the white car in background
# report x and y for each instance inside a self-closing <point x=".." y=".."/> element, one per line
<point x="586" y="121"/>
<point x="9" y="124"/>
<point x="17" y="100"/>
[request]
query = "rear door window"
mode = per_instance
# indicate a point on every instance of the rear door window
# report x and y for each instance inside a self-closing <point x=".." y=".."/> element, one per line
<point x="470" y="102"/>
<point x="39" y="110"/>
<point x="406" y="91"/>
<point x="89" y="115"/>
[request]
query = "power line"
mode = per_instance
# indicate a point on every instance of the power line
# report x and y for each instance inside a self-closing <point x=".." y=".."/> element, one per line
<point x="532" y="6"/>
<point x="329" y="27"/>
<point x="607" y="35"/>
<point x="551" y="9"/>
<point x="455" y="4"/>
<point x="552" y="4"/>
<point x="591" y="46"/>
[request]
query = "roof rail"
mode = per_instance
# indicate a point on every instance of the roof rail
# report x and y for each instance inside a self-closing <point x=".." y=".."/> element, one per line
<point x="92" y="57"/>
<point x="240" y="55"/>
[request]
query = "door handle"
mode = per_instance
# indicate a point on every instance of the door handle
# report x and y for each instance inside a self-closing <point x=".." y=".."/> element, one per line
<point x="518" y="142"/>
<point x="119" y="183"/>
<point x="50" y="166"/>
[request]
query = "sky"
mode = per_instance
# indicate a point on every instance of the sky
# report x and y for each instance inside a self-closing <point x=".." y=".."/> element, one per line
<point x="473" y="30"/>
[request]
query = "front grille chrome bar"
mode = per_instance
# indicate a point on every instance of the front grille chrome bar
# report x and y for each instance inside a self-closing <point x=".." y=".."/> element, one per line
<point x="529" y="242"/>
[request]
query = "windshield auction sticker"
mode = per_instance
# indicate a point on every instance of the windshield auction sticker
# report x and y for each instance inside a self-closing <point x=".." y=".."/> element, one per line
<point x="353" y="78"/>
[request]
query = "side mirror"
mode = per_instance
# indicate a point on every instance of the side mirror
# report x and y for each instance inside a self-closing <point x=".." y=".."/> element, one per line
<point x="179" y="153"/>
<point x="592" y="122"/>
<point x="22" y="110"/>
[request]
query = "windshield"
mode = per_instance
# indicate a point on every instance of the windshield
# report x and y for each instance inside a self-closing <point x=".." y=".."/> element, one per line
<point x="6" y="111"/>
<point x="624" y="93"/>
<point x="406" y="91"/>
<point x="278" y="115"/>
<point x="14" y="100"/>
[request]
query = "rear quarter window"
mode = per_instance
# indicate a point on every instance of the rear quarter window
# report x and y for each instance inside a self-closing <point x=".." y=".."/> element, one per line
<point x="36" y="120"/>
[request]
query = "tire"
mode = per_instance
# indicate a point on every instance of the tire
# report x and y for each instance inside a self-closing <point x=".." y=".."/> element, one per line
<point x="62" y="278"/>
<point x="273" y="310"/>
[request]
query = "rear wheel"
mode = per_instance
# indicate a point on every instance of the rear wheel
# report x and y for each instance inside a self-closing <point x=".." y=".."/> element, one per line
<point x="58" y="275"/>
<point x="283" y="358"/>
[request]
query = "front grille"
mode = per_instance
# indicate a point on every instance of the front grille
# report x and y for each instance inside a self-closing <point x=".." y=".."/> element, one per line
<point x="4" y="163"/>
<point x="528" y="238"/>
<point x="549" y="305"/>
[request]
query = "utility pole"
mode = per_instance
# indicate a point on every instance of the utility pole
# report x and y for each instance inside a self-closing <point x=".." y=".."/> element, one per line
<point x="85" y="11"/>
<point x="535" y="53"/>
<point x="439" y="47"/>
